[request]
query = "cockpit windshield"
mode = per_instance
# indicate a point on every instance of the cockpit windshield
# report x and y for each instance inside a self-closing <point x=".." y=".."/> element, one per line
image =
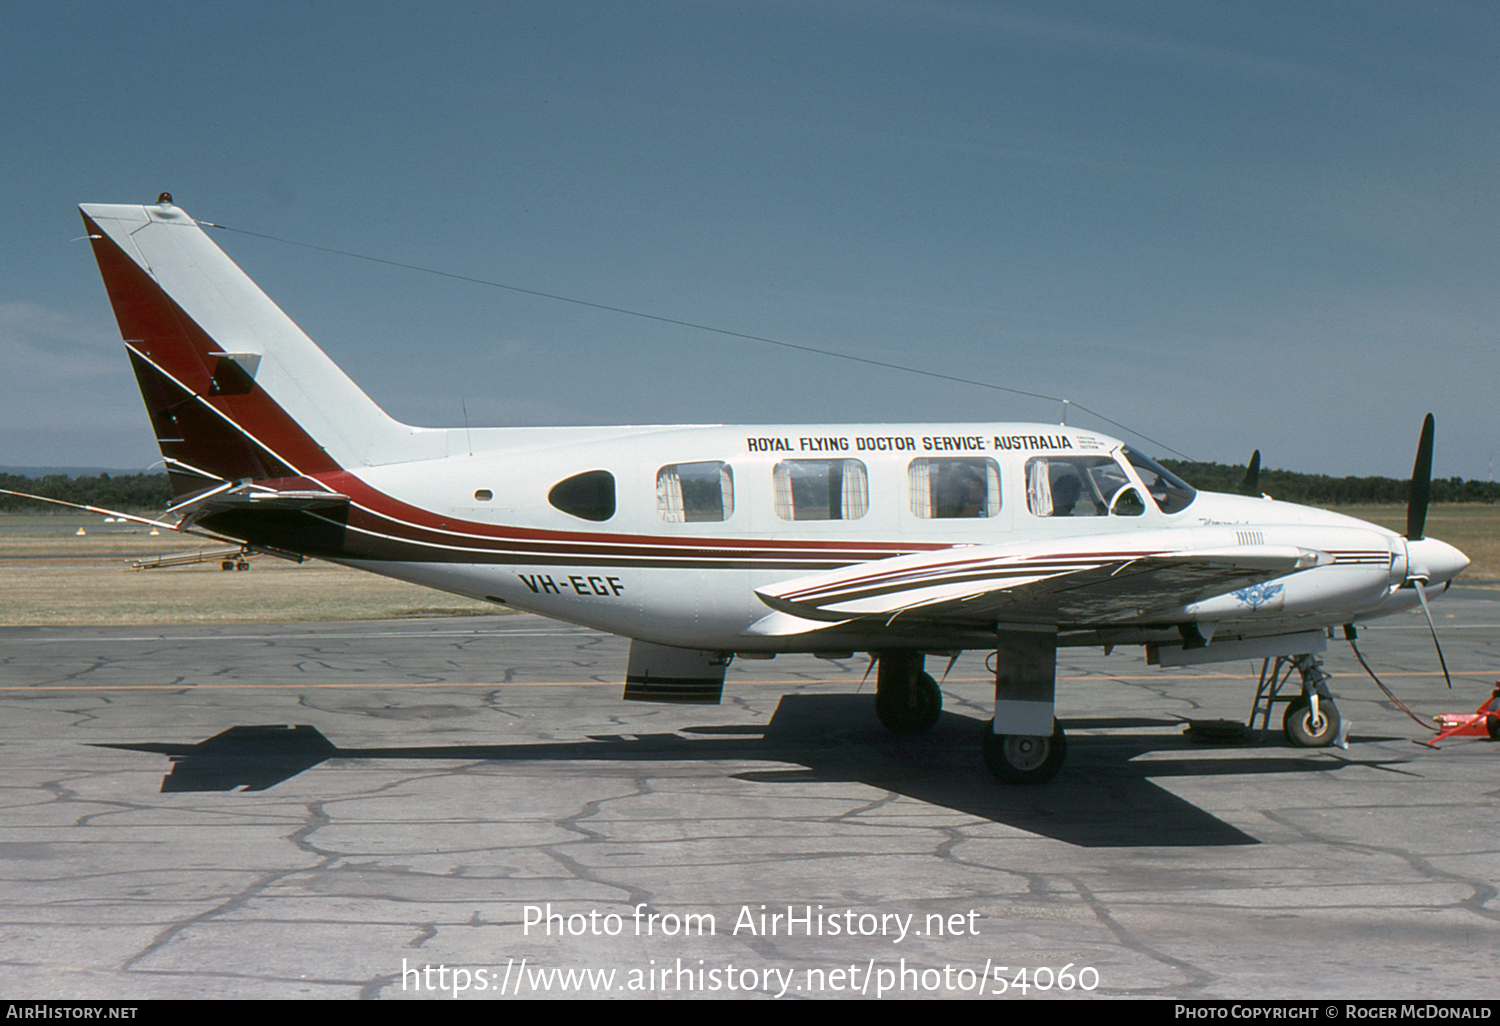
<point x="1097" y="486"/>
<point x="1170" y="492"/>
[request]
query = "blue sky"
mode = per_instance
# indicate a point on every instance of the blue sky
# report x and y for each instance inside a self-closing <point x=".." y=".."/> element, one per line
<point x="1225" y="225"/>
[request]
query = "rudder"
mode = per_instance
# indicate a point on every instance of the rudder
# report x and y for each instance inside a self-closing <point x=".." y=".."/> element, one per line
<point x="233" y="387"/>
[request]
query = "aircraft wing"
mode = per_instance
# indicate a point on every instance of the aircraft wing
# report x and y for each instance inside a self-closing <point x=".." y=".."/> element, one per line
<point x="1096" y="581"/>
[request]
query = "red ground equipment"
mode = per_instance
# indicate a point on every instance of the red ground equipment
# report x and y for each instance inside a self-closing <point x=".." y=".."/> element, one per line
<point x="1484" y="720"/>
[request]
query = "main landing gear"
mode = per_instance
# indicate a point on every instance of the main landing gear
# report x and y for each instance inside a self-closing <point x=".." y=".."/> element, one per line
<point x="1024" y="743"/>
<point x="907" y="700"/>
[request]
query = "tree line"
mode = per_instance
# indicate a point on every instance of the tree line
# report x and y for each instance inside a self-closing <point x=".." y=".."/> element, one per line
<point x="1322" y="490"/>
<point x="128" y="493"/>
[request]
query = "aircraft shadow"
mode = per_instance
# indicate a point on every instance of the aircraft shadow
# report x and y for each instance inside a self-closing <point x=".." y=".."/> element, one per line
<point x="1102" y="798"/>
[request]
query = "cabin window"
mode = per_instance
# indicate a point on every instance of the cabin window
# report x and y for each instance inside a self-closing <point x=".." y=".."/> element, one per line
<point x="943" y="489"/>
<point x="821" y="489"/>
<point x="588" y="496"/>
<point x="689" y="493"/>
<point x="484" y="495"/>
<point x="1080" y="486"/>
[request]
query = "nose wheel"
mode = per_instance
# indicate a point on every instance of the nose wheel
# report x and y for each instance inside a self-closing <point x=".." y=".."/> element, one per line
<point x="1307" y="729"/>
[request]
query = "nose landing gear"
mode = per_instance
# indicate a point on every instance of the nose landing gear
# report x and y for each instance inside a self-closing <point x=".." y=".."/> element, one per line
<point x="1307" y="727"/>
<point x="1311" y="719"/>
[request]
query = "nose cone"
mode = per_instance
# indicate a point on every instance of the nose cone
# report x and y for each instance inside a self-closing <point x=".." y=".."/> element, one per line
<point x="1434" y="560"/>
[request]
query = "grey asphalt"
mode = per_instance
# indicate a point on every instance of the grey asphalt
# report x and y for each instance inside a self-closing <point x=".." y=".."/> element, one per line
<point x="465" y="810"/>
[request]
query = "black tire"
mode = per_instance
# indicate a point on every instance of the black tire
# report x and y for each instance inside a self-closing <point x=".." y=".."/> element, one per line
<point x="1492" y="724"/>
<point x="911" y="707"/>
<point x="1302" y="731"/>
<point x="1023" y="758"/>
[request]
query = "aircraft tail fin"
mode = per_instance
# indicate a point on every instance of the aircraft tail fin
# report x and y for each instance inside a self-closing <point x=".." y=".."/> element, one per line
<point x="234" y="389"/>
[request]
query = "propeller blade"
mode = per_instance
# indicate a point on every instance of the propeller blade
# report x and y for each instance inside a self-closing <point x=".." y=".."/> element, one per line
<point x="1422" y="595"/>
<point x="1250" y="485"/>
<point x="1421" y="485"/>
<point x="1416" y="522"/>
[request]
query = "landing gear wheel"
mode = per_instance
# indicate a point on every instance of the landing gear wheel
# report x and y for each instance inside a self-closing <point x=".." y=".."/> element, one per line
<point x="1303" y="730"/>
<point x="1492" y="724"/>
<point x="909" y="707"/>
<point x="1023" y="758"/>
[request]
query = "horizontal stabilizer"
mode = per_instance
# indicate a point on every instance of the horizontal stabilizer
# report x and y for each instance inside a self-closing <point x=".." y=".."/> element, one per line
<point x="277" y="500"/>
<point x="230" y="497"/>
<point x="163" y="525"/>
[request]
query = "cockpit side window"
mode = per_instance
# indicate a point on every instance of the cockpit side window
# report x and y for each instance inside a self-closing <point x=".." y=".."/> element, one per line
<point x="1170" y="492"/>
<point x="1080" y="486"/>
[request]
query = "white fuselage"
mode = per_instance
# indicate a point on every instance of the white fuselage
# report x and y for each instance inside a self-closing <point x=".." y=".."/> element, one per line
<point x="643" y="574"/>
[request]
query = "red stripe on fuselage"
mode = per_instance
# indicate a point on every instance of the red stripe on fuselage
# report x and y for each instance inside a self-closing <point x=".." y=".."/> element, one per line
<point x="376" y="511"/>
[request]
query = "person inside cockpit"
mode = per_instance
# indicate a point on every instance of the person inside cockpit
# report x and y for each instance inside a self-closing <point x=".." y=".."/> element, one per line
<point x="1065" y="493"/>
